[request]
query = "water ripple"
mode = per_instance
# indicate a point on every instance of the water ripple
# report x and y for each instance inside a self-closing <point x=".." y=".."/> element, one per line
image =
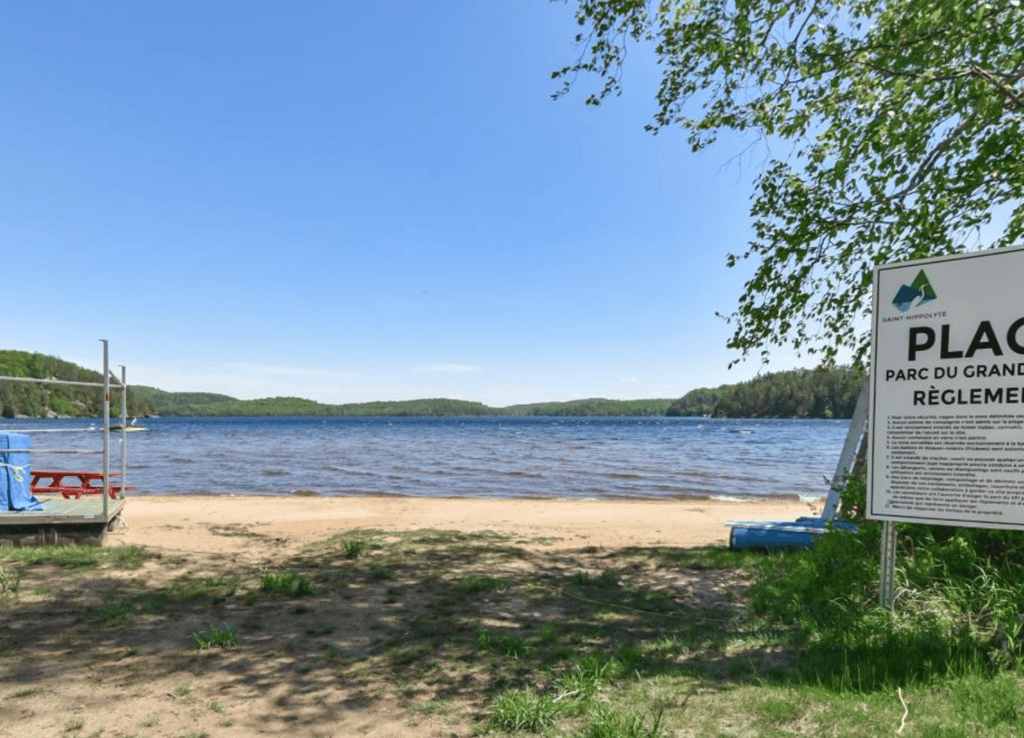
<point x="570" y="458"/>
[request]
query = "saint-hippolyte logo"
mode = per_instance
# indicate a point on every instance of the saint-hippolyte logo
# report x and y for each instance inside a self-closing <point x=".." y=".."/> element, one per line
<point x="917" y="293"/>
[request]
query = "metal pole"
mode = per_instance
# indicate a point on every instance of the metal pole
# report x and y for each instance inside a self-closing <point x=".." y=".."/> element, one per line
<point x="887" y="568"/>
<point x="106" y="428"/>
<point x="124" y="429"/>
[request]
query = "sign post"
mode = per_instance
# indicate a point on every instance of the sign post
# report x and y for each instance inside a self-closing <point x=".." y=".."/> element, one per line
<point x="947" y="392"/>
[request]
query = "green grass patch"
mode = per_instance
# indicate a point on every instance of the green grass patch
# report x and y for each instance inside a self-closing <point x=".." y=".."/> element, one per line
<point x="224" y="637"/>
<point x="476" y="583"/>
<point x="607" y="579"/>
<point x="198" y="588"/>
<point x="504" y="643"/>
<point x="287" y="583"/>
<point x="354" y="548"/>
<point x="9" y="581"/>
<point x="607" y="722"/>
<point x="27" y="692"/>
<point x="79" y="557"/>
<point x="381" y="572"/>
<point x="523" y="710"/>
<point x="113" y="612"/>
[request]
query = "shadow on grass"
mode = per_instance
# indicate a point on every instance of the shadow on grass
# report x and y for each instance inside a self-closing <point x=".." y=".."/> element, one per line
<point x="427" y="617"/>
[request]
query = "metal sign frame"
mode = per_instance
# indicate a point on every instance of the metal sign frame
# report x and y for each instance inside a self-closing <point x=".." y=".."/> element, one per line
<point x="947" y="391"/>
<point x="946" y="424"/>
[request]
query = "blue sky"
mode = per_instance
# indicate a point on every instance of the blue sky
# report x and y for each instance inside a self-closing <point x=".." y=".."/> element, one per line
<point x="356" y="201"/>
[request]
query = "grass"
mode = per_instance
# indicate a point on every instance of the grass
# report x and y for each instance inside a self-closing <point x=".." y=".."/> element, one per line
<point x="606" y="722"/>
<point x="27" y="692"/>
<point x="9" y="582"/>
<point x="478" y="583"/>
<point x="523" y="710"/>
<point x="184" y="690"/>
<point x="113" y="612"/>
<point x="354" y="548"/>
<point x="223" y="637"/>
<point x="486" y="636"/>
<point x="79" y="557"/>
<point x="504" y="643"/>
<point x="287" y="583"/>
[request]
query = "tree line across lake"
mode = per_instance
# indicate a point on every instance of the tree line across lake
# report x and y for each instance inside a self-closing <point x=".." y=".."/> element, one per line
<point x="802" y="393"/>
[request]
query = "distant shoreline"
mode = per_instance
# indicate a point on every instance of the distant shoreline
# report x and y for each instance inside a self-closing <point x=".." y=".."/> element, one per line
<point x="824" y="393"/>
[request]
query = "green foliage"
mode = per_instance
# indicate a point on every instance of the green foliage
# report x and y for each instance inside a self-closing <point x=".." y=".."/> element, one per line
<point x="177" y="403"/>
<point x="592" y="406"/>
<point x="700" y="401"/>
<point x="27" y="399"/>
<point x="158" y="402"/>
<point x="22" y="398"/>
<point x="958" y="609"/>
<point x="817" y="586"/>
<point x="899" y="123"/>
<point x="799" y="393"/>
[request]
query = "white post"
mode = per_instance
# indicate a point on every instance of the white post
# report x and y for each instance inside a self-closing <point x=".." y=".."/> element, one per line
<point x="887" y="568"/>
<point x="106" y="428"/>
<point x="124" y="429"/>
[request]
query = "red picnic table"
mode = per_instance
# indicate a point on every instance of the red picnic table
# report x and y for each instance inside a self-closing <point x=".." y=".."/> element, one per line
<point x="73" y="483"/>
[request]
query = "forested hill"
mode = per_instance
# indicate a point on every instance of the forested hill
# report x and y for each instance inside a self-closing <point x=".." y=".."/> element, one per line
<point x="177" y="403"/>
<point x="21" y="399"/>
<point x="800" y="393"/>
<point x="42" y="400"/>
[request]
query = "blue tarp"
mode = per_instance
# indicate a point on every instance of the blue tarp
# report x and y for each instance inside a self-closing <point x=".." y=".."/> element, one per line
<point x="16" y="474"/>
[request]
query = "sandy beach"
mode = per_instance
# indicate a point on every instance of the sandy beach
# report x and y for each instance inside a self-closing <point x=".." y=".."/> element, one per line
<point x="191" y="522"/>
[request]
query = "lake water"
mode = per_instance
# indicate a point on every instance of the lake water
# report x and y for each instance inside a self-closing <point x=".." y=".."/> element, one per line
<point x="494" y="457"/>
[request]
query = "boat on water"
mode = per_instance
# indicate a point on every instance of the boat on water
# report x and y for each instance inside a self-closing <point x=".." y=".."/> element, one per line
<point x="128" y="428"/>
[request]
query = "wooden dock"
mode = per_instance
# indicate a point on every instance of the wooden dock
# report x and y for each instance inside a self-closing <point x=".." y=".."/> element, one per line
<point x="64" y="522"/>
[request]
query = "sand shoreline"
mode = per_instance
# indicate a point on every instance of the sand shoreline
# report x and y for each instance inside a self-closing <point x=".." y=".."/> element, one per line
<point x="198" y="522"/>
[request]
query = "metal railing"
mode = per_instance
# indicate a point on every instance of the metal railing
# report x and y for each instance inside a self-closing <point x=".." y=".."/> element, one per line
<point x="119" y="384"/>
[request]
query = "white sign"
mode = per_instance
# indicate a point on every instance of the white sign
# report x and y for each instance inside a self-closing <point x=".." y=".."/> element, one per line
<point x="947" y="391"/>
